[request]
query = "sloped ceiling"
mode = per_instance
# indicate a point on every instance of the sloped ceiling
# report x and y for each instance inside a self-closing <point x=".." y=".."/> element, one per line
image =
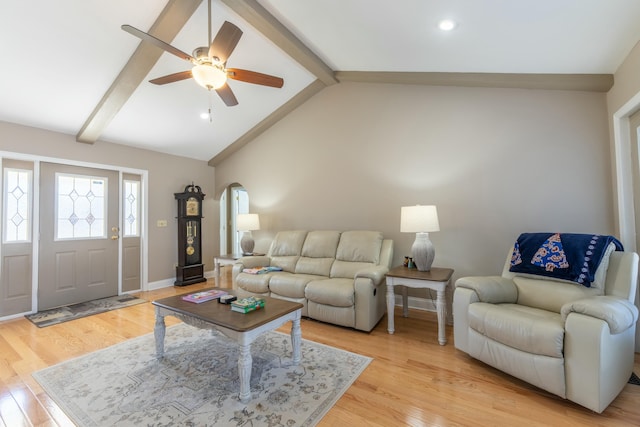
<point x="67" y="65"/>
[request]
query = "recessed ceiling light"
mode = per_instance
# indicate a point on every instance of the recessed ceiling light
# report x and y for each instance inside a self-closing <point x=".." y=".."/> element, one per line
<point x="446" y="25"/>
<point x="204" y="116"/>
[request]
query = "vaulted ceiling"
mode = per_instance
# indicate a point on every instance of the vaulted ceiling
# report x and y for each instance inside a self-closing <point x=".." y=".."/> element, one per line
<point x="68" y="66"/>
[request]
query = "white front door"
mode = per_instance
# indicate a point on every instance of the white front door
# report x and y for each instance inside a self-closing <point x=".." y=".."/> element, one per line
<point x="79" y="231"/>
<point x="16" y="251"/>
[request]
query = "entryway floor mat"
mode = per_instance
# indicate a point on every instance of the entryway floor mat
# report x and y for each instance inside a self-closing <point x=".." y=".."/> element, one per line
<point x="58" y="315"/>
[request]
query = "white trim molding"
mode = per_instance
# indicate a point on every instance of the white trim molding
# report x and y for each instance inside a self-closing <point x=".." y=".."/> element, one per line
<point x="623" y="172"/>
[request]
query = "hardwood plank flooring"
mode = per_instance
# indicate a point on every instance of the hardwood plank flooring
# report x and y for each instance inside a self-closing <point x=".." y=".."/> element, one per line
<point x="412" y="380"/>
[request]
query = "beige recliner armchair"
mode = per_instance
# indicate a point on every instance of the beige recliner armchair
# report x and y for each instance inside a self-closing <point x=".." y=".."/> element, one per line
<point x="571" y="340"/>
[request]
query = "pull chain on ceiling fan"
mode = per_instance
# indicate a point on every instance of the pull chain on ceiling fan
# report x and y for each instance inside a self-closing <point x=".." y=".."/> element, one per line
<point x="209" y="63"/>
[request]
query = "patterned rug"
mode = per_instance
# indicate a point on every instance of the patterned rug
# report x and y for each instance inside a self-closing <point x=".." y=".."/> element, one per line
<point x="83" y="309"/>
<point x="196" y="383"/>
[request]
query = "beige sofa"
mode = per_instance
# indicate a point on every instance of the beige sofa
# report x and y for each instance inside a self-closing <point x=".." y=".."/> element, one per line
<point x="339" y="277"/>
<point x="576" y="342"/>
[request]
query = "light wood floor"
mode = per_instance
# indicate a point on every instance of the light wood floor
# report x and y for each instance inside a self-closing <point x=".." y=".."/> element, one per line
<point x="411" y="381"/>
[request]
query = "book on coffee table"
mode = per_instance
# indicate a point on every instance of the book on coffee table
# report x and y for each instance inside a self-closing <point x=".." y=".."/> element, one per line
<point x="245" y="305"/>
<point x="203" y="296"/>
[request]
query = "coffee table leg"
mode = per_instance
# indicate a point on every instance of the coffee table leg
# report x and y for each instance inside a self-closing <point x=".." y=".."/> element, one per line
<point x="244" y="372"/>
<point x="296" y="338"/>
<point x="158" y="333"/>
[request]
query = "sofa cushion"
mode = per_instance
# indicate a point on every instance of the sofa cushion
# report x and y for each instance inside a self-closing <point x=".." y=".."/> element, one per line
<point x="287" y="243"/>
<point x="360" y="246"/>
<point x="291" y="285"/>
<point x="348" y="270"/>
<point x="335" y="292"/>
<point x="285" y="249"/>
<point x="550" y="295"/>
<point x="318" y="253"/>
<point x="286" y="263"/>
<point x="321" y="244"/>
<point x="524" y="328"/>
<point x="316" y="266"/>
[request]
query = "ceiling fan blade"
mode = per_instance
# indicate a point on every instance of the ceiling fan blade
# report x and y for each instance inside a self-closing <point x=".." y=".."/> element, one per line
<point x="254" y="77"/>
<point x="227" y="95"/>
<point x="175" y="77"/>
<point x="225" y="41"/>
<point x="157" y="42"/>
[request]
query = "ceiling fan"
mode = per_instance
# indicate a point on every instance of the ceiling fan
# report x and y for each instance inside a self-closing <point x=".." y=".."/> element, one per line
<point x="209" y="62"/>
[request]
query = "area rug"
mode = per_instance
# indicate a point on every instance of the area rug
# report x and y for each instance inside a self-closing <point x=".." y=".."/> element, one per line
<point x="84" y="309"/>
<point x="196" y="383"/>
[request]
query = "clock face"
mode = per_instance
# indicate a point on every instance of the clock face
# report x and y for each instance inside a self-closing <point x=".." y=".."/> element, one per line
<point x="193" y="207"/>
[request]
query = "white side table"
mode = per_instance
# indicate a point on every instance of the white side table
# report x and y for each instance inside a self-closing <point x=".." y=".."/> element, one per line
<point x="436" y="279"/>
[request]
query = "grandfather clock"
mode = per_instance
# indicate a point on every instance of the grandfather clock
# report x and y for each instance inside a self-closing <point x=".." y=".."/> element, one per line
<point x="190" y="269"/>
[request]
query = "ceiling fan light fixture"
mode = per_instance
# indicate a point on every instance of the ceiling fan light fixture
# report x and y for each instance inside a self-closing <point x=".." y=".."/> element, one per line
<point x="209" y="76"/>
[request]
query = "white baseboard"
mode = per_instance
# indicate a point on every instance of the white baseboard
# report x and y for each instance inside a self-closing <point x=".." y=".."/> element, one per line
<point x="166" y="283"/>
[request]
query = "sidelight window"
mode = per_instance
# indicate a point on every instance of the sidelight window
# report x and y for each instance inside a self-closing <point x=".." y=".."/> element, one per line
<point x="17" y="205"/>
<point x="131" y="203"/>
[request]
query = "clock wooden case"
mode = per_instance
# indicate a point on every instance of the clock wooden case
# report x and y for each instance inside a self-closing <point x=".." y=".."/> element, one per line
<point x="190" y="268"/>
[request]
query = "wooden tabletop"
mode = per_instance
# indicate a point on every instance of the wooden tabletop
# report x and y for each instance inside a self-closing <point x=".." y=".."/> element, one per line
<point x="220" y="314"/>
<point x="435" y="274"/>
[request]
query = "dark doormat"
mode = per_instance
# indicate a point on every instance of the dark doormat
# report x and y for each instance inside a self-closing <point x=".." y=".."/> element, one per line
<point x="83" y="309"/>
<point x="634" y="379"/>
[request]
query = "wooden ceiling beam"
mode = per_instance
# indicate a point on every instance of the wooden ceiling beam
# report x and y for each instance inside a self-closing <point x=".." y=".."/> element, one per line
<point x="260" y="18"/>
<point x="170" y="21"/>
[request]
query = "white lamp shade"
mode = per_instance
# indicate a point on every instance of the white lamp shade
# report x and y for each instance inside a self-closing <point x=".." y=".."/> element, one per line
<point x="208" y="76"/>
<point x="419" y="219"/>
<point x="247" y="222"/>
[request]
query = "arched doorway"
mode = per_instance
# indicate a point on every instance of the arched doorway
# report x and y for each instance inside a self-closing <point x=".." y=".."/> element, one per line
<point x="234" y="201"/>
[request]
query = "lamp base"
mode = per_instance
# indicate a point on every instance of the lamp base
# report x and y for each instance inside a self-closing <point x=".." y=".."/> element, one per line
<point x="246" y="243"/>
<point x="423" y="252"/>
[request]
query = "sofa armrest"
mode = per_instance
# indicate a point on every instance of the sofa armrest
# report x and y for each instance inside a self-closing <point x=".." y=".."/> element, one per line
<point x="619" y="313"/>
<point x="249" y="262"/>
<point x="491" y="289"/>
<point x="254" y="261"/>
<point x="376" y="274"/>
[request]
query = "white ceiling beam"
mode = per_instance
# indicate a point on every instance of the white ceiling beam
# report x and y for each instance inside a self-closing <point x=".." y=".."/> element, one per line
<point x="299" y="99"/>
<point x="260" y="18"/>
<point x="170" y="21"/>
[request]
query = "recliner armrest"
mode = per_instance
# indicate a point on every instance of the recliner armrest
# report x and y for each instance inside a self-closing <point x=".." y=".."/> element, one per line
<point x="376" y="274"/>
<point x="491" y="289"/>
<point x="619" y="313"/>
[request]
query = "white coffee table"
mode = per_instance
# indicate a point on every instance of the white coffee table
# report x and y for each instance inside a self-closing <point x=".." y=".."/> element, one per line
<point x="243" y="328"/>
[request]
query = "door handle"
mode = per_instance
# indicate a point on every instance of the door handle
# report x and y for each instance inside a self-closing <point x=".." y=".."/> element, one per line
<point x="115" y="230"/>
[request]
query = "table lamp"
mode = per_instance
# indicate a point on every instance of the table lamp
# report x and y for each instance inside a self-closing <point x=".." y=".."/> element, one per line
<point x="247" y="223"/>
<point x="420" y="220"/>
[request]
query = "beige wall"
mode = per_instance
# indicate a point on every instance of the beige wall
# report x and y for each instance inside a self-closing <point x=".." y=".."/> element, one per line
<point x="496" y="162"/>
<point x="167" y="175"/>
<point x="626" y="81"/>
